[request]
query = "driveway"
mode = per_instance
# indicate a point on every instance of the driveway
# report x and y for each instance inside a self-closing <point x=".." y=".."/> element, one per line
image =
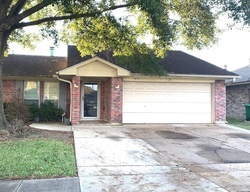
<point x="163" y="158"/>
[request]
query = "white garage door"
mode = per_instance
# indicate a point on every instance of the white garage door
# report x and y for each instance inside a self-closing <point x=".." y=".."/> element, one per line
<point x="166" y="102"/>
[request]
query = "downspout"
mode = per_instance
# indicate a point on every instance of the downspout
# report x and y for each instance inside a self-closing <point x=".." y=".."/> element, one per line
<point x="71" y="99"/>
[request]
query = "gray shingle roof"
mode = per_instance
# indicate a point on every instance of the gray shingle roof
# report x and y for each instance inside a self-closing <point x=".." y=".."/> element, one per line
<point x="176" y="62"/>
<point x="244" y="73"/>
<point x="33" y="66"/>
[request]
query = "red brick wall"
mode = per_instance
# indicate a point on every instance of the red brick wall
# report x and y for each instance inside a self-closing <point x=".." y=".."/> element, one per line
<point x="111" y="110"/>
<point x="68" y="97"/>
<point x="76" y="102"/>
<point x="9" y="90"/>
<point x="102" y="100"/>
<point x="220" y="101"/>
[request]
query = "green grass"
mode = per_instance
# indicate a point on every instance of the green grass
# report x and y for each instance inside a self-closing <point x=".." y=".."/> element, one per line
<point x="239" y="123"/>
<point x="36" y="159"/>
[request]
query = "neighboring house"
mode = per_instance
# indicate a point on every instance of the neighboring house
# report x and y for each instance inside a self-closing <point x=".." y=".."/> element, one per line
<point x="97" y="88"/>
<point x="238" y="93"/>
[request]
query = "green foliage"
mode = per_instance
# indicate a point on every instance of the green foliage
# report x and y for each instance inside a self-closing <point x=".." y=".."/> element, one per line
<point x="139" y="26"/>
<point x="48" y="111"/>
<point x="141" y="63"/>
<point x="36" y="159"/>
<point x="34" y="111"/>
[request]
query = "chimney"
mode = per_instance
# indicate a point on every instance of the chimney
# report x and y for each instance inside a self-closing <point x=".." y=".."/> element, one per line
<point x="52" y="51"/>
<point x="225" y="67"/>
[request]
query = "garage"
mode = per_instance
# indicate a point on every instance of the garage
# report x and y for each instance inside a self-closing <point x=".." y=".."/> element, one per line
<point x="147" y="102"/>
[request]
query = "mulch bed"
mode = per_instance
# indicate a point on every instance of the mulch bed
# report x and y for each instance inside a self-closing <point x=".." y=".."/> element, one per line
<point x="32" y="133"/>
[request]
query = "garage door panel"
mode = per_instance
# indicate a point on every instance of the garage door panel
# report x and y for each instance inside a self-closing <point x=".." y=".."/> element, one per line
<point x="165" y="107"/>
<point x="166" y="97"/>
<point x="145" y="102"/>
<point x="166" y="118"/>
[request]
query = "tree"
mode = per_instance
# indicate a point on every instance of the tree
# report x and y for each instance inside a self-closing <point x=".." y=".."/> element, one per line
<point x="93" y="25"/>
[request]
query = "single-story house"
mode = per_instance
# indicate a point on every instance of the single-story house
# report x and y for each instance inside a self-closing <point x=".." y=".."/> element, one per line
<point x="98" y="88"/>
<point x="238" y="93"/>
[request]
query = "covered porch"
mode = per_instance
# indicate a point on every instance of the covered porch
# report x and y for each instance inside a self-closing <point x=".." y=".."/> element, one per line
<point x="96" y="91"/>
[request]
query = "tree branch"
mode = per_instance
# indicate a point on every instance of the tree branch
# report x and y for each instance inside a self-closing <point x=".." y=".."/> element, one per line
<point x="17" y="8"/>
<point x="4" y="4"/>
<point x="68" y="17"/>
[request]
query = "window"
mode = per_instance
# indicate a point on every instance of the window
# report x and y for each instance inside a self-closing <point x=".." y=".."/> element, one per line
<point x="31" y="92"/>
<point x="51" y="92"/>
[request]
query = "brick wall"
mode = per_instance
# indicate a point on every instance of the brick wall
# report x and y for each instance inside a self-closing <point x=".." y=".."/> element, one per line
<point x="9" y="90"/>
<point x="237" y="97"/>
<point x="220" y="101"/>
<point x="111" y="101"/>
<point x="76" y="102"/>
<point x="103" y="101"/>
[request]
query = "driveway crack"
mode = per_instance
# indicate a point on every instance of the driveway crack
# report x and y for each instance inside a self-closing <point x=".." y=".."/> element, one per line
<point x="218" y="154"/>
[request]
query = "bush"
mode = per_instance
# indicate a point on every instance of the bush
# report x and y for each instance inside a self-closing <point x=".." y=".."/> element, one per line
<point x="17" y="114"/>
<point x="49" y="112"/>
<point x="17" y="110"/>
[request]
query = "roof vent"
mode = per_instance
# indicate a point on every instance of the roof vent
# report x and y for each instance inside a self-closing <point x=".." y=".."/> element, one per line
<point x="52" y="51"/>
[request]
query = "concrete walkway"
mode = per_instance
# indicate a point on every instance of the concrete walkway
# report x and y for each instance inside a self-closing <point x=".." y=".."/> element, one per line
<point x="155" y="158"/>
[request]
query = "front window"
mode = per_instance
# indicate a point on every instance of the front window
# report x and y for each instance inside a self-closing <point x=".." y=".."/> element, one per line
<point x="51" y="92"/>
<point x="31" y="92"/>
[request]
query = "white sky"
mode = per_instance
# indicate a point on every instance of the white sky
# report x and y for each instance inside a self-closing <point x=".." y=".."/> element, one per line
<point x="232" y="49"/>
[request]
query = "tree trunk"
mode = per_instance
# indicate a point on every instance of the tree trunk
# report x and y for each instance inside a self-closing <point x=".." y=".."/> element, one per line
<point x="3" y="43"/>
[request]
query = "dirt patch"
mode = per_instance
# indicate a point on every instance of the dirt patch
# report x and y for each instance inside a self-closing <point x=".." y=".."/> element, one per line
<point x="32" y="133"/>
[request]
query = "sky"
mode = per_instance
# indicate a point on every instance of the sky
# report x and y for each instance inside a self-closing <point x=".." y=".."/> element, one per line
<point x="232" y="49"/>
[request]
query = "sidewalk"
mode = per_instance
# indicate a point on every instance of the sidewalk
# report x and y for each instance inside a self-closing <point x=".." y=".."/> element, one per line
<point x="41" y="185"/>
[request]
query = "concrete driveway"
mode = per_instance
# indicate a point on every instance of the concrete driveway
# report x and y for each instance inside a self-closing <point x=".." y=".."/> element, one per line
<point x="163" y="158"/>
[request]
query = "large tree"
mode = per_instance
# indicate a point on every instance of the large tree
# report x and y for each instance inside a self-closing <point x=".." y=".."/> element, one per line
<point x="94" y="25"/>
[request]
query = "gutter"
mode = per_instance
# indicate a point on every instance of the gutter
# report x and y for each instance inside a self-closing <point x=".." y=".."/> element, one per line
<point x="70" y="84"/>
<point x="187" y="75"/>
<point x="205" y="76"/>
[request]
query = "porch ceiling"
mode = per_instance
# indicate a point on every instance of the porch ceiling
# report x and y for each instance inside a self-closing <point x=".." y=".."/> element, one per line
<point x="95" y="67"/>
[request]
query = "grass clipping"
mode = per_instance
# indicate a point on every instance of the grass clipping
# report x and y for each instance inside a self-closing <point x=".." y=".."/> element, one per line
<point x="36" y="159"/>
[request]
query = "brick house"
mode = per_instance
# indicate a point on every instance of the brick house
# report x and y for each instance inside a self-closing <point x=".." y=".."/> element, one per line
<point x="98" y="88"/>
<point x="238" y="94"/>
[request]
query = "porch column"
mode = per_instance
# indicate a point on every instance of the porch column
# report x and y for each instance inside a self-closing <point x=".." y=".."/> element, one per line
<point x="76" y="100"/>
<point x="220" y="101"/>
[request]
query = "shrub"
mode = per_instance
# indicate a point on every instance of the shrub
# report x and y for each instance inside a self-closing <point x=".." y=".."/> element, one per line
<point x="49" y="112"/>
<point x="17" y="113"/>
<point x="17" y="110"/>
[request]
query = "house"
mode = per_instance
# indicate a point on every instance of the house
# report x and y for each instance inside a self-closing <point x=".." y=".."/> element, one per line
<point x="99" y="88"/>
<point x="238" y="94"/>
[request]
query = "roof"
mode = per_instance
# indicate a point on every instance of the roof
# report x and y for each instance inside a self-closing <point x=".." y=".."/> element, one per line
<point x="175" y="62"/>
<point x="178" y="62"/>
<point x="244" y="73"/>
<point x="33" y="66"/>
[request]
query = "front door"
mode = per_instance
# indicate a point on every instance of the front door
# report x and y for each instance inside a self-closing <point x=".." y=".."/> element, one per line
<point x="90" y="101"/>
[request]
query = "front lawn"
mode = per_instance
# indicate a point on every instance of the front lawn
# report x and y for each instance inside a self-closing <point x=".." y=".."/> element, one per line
<point x="239" y="123"/>
<point x="36" y="158"/>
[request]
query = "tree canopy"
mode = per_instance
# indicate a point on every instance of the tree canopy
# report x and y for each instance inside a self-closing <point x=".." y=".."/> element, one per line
<point x="138" y="25"/>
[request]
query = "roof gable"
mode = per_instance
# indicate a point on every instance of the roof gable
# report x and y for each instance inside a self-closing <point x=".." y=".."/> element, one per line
<point x="95" y="67"/>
